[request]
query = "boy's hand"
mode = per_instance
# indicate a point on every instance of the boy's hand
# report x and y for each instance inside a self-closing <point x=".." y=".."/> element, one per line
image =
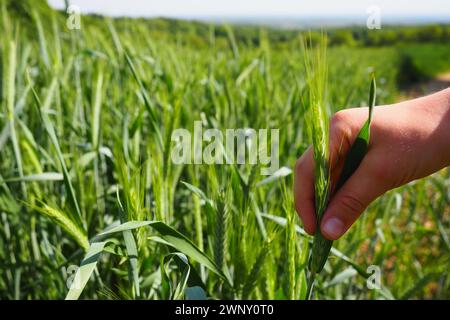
<point x="409" y="140"/>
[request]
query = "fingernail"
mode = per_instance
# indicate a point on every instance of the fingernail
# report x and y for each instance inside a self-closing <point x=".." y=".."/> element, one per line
<point x="333" y="228"/>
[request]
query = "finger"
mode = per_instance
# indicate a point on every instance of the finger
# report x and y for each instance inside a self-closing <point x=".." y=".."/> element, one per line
<point x="350" y="201"/>
<point x="344" y="127"/>
<point x="304" y="190"/>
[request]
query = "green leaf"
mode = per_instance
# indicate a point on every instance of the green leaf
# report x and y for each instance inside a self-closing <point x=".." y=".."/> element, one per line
<point x="96" y="114"/>
<point x="45" y="176"/>
<point x="173" y="238"/>
<point x="43" y="111"/>
<point x="169" y="236"/>
<point x="148" y="104"/>
<point x="132" y="252"/>
<point x="342" y="277"/>
<point x="199" y="193"/>
<point x="246" y="72"/>
<point x="280" y="173"/>
<point x="11" y="92"/>
<point x="182" y="260"/>
<point x="85" y="271"/>
<point x="303" y="285"/>
<point x="283" y="222"/>
<point x="130" y="225"/>
<point x="93" y="255"/>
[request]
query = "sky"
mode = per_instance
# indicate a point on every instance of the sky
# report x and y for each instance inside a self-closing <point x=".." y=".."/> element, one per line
<point x="258" y="8"/>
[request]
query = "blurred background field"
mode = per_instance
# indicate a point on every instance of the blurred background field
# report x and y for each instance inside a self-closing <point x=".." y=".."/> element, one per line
<point x="108" y="121"/>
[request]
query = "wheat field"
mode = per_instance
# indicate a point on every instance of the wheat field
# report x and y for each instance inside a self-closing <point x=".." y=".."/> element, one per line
<point x="92" y="205"/>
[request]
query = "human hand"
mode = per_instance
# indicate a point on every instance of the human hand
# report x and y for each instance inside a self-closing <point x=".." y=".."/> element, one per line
<point x="409" y="140"/>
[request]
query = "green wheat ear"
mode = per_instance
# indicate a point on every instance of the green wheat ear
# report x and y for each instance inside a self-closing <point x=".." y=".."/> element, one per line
<point x="322" y="246"/>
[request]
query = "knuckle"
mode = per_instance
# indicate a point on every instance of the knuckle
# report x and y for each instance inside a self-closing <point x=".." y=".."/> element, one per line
<point x="351" y="204"/>
<point x="340" y="125"/>
<point x="340" y="132"/>
<point x="339" y="119"/>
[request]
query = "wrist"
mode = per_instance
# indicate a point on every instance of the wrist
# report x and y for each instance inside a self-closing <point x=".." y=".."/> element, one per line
<point x="445" y="123"/>
<point x="437" y="107"/>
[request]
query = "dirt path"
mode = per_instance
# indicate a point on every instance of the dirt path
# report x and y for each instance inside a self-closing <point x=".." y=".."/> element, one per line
<point x="439" y="83"/>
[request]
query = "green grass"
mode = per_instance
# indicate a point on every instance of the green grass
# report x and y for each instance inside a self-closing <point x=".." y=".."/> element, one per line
<point x="85" y="124"/>
<point x="430" y="60"/>
<point x="421" y="63"/>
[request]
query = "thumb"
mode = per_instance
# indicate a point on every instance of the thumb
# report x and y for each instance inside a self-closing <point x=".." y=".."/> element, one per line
<point x="351" y="200"/>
